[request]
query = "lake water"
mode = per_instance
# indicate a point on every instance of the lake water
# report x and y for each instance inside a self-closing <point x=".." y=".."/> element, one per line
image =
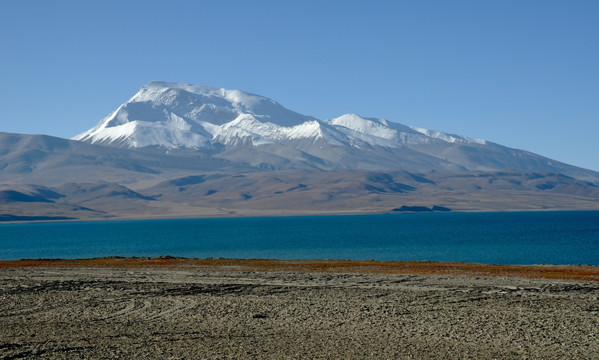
<point x="499" y="238"/>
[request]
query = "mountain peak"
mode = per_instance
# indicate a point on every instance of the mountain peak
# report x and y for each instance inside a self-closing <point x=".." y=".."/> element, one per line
<point x="237" y="99"/>
<point x="164" y="113"/>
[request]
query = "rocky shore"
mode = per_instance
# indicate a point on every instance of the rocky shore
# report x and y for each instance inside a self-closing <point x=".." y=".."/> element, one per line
<point x="232" y="313"/>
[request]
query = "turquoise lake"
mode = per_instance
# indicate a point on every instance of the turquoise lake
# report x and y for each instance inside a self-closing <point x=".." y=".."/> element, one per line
<point x="497" y="238"/>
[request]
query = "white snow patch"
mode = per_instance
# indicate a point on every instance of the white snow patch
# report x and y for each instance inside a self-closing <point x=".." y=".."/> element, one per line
<point x="450" y="138"/>
<point x="369" y="127"/>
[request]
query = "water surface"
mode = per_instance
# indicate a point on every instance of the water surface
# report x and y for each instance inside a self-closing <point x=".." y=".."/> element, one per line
<point x="499" y="238"/>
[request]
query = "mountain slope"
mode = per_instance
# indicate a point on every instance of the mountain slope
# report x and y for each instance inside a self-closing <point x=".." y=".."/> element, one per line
<point x="294" y="192"/>
<point x="47" y="160"/>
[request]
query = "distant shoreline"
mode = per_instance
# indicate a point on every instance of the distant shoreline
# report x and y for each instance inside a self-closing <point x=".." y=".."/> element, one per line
<point x="6" y="218"/>
<point x="561" y="272"/>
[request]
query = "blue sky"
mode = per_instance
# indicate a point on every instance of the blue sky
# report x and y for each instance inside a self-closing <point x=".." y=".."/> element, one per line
<point x="520" y="73"/>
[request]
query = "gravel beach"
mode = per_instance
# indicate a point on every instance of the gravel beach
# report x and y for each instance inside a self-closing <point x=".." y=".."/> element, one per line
<point x="200" y="313"/>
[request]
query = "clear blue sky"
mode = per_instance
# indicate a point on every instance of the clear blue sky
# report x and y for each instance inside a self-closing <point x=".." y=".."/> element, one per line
<point x="520" y="73"/>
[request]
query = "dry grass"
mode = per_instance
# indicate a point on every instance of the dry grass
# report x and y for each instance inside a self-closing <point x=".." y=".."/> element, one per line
<point x="568" y="272"/>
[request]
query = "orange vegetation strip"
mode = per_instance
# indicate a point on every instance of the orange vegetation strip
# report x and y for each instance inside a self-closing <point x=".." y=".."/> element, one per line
<point x="569" y="272"/>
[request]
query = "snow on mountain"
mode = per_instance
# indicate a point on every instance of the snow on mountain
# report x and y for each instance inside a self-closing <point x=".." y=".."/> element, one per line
<point x="172" y="132"/>
<point x="173" y="115"/>
<point x="378" y="128"/>
<point x="447" y="137"/>
<point x="380" y="132"/>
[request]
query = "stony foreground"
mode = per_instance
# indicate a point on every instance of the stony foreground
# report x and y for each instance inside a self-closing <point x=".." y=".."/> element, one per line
<point x="106" y="313"/>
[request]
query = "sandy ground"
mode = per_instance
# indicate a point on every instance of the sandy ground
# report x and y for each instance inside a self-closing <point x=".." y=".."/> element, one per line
<point x="218" y="313"/>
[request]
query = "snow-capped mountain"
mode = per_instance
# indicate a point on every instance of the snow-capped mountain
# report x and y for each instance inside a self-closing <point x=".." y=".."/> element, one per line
<point x="257" y="131"/>
<point x="176" y="115"/>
